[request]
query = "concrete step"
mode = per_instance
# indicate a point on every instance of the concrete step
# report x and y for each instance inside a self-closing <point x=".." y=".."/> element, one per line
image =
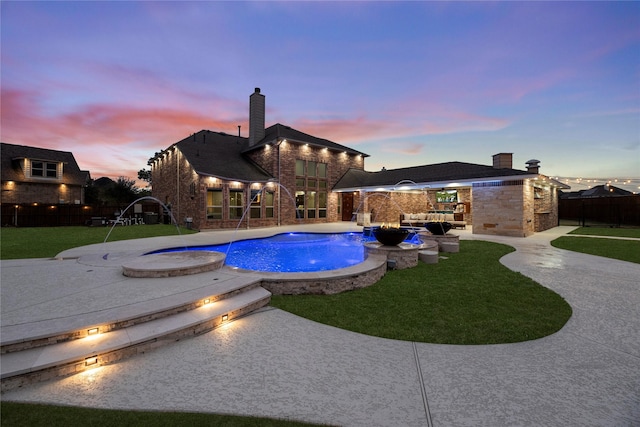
<point x="24" y="336"/>
<point x="38" y="364"/>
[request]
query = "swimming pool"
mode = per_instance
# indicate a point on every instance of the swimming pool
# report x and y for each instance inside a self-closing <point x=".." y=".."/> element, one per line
<point x="292" y="252"/>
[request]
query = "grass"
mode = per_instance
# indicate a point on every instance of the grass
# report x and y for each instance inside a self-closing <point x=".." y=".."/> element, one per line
<point x="608" y="232"/>
<point x="469" y="298"/>
<point x="624" y="250"/>
<point x="47" y="242"/>
<point x="35" y="415"/>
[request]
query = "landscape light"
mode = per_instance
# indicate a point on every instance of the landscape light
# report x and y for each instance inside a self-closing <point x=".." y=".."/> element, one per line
<point x="91" y="361"/>
<point x="93" y="331"/>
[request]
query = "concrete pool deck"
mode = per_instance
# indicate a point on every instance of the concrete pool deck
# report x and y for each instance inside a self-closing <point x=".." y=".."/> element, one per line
<point x="275" y="364"/>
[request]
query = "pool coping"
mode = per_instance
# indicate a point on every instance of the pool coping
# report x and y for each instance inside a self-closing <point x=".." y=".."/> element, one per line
<point x="75" y="326"/>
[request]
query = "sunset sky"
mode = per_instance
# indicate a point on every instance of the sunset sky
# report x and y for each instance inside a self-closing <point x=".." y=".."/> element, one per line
<point x="408" y="83"/>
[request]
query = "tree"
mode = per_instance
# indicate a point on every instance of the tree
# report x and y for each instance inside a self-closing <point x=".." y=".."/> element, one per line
<point x="145" y="175"/>
<point x="123" y="191"/>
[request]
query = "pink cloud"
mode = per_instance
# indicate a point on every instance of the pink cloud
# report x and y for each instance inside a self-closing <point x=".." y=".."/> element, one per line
<point x="114" y="140"/>
<point x="102" y="137"/>
<point x="356" y="130"/>
<point x="409" y="149"/>
<point x="410" y="121"/>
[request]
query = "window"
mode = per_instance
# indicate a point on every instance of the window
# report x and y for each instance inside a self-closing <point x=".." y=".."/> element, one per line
<point x="311" y="204"/>
<point x="312" y="169"/>
<point x="235" y="204"/>
<point x="322" y="205"/>
<point x="322" y="170"/>
<point x="311" y="187"/>
<point x="255" y="203"/>
<point x="268" y="204"/>
<point x="44" y="169"/>
<point x="214" y="204"/>
<point x="299" y="204"/>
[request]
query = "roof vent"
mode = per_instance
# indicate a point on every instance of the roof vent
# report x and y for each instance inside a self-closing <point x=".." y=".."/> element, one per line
<point x="533" y="166"/>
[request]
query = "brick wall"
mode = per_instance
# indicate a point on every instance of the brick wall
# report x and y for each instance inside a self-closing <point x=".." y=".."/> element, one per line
<point x="503" y="208"/>
<point x="388" y="206"/>
<point x="545" y="208"/>
<point x="173" y="180"/>
<point x="281" y="161"/>
<point x="46" y="193"/>
<point x="176" y="183"/>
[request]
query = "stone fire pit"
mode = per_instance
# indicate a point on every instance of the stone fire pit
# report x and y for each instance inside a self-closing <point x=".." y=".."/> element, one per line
<point x="438" y="228"/>
<point x="390" y="236"/>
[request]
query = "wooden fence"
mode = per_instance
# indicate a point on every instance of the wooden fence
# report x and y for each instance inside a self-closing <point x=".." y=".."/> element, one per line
<point x="29" y="215"/>
<point x="610" y="211"/>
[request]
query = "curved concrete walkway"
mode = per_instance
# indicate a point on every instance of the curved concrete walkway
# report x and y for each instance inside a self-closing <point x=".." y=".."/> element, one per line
<point x="275" y="364"/>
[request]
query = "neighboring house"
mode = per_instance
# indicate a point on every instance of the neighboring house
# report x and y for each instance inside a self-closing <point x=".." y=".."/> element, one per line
<point x="32" y="175"/>
<point x="605" y="190"/>
<point x="601" y="205"/>
<point x="279" y="175"/>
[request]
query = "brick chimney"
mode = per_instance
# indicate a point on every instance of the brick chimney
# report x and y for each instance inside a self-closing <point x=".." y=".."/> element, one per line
<point x="533" y="166"/>
<point x="256" y="117"/>
<point x="503" y="161"/>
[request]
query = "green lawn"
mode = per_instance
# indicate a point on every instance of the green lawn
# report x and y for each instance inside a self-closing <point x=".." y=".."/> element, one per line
<point x="47" y="242"/>
<point x="469" y="298"/>
<point x="608" y="232"/>
<point x="36" y="415"/>
<point x="624" y="250"/>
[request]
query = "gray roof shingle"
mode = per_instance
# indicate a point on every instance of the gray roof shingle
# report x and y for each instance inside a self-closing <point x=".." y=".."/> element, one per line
<point x="425" y="174"/>
<point x="277" y="131"/>
<point x="11" y="171"/>
<point x="220" y="155"/>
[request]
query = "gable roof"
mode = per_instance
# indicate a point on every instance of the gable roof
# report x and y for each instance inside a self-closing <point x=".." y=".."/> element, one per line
<point x="280" y="131"/>
<point x="219" y="154"/>
<point x="11" y="154"/>
<point x="439" y="174"/>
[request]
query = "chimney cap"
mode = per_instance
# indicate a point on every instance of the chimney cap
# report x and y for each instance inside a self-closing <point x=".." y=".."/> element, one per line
<point x="257" y="90"/>
<point x="532" y="162"/>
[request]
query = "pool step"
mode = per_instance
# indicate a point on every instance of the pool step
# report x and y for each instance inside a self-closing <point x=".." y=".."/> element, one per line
<point x="45" y="362"/>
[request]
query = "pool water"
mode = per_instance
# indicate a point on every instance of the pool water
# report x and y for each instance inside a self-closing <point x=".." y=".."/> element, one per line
<point x="292" y="252"/>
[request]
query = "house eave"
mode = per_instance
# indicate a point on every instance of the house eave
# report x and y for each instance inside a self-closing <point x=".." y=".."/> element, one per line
<point x="450" y="184"/>
<point x="225" y="178"/>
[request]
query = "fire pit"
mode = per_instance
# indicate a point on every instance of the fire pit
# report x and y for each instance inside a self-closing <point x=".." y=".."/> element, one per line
<point x="390" y="236"/>
<point x="438" y="228"/>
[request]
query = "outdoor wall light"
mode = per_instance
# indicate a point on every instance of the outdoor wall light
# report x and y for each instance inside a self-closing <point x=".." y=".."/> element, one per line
<point x="225" y="317"/>
<point x="93" y="331"/>
<point x="93" y="360"/>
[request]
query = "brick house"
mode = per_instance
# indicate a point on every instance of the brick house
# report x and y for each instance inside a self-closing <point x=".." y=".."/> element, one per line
<point x="32" y="175"/>
<point x="279" y="175"/>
